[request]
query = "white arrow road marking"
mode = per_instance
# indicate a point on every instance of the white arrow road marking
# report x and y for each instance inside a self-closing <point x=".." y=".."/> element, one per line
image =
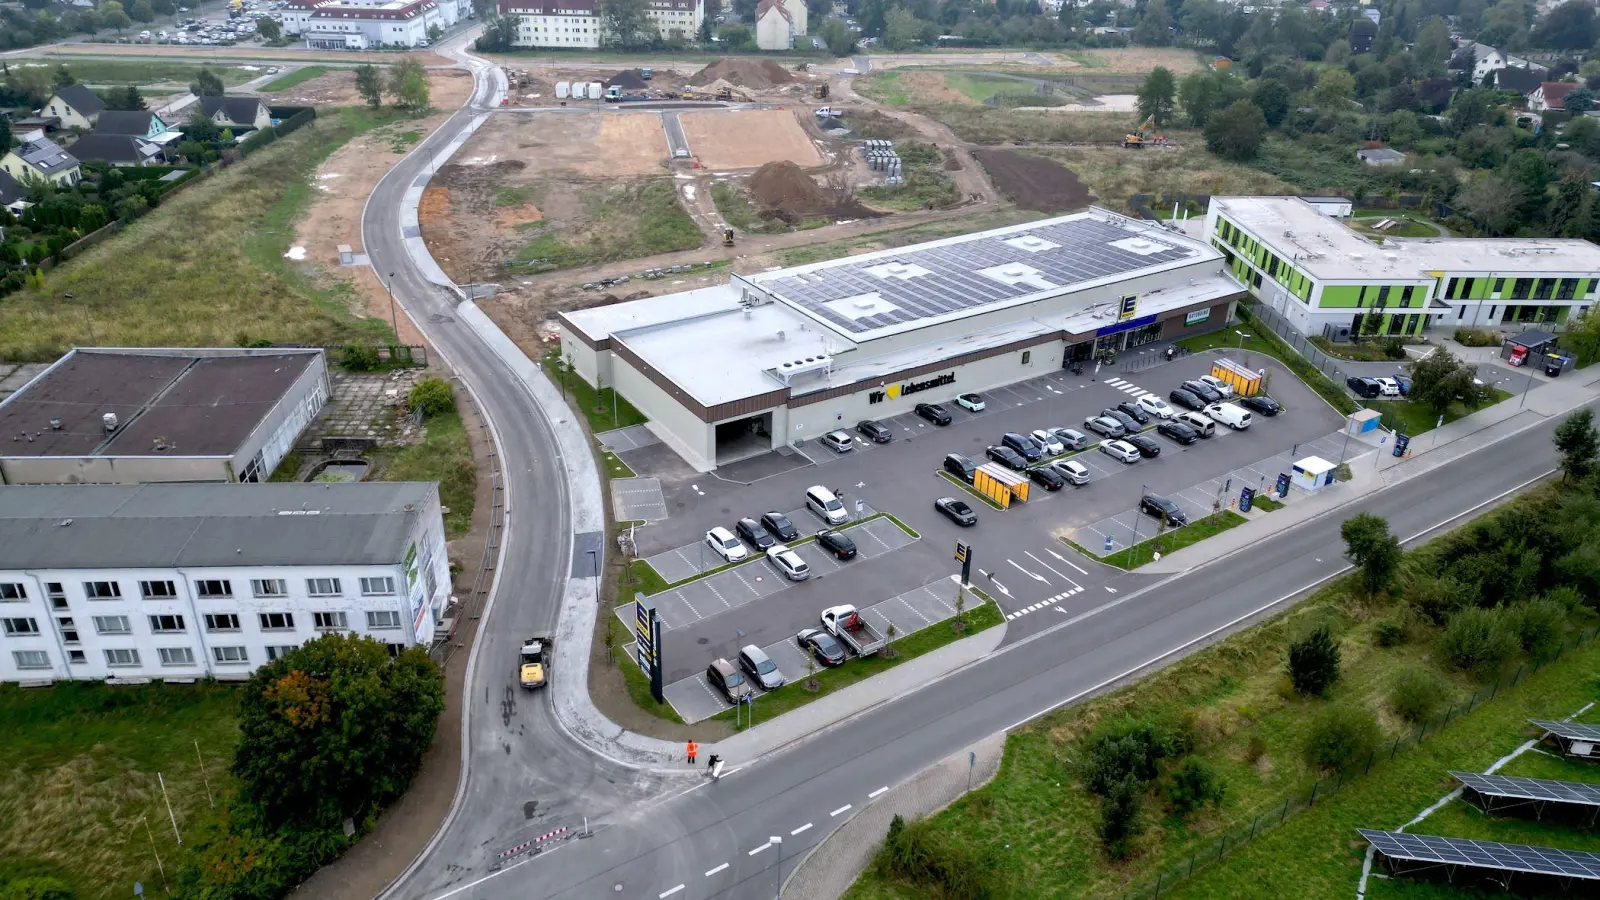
<point x="1110" y="589"/>
<point x="1048" y="566"/>
<point x="1002" y="587"/>
<point x="716" y="870"/>
<point x="1067" y="561"/>
<point x="1039" y="578"/>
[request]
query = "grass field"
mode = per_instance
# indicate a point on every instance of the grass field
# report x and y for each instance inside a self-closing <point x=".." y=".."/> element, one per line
<point x="1114" y="174"/>
<point x="596" y="406"/>
<point x="144" y="72"/>
<point x="293" y="79"/>
<point x="207" y="269"/>
<point x="446" y="457"/>
<point x="992" y="125"/>
<point x="1413" y="417"/>
<point x="1174" y="539"/>
<point x="80" y="779"/>
<point x="619" y="223"/>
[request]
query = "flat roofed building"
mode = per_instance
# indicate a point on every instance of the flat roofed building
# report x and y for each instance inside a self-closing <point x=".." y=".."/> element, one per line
<point x="781" y="357"/>
<point x="210" y="580"/>
<point x="114" y="416"/>
<point x="1329" y="280"/>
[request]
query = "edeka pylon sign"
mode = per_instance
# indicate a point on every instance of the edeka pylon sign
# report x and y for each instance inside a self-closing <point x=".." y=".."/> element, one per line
<point x="896" y="391"/>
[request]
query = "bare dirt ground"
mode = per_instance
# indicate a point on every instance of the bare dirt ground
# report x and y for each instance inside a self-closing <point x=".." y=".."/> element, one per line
<point x="748" y="138"/>
<point x="447" y="89"/>
<point x="588" y="145"/>
<point x="202" y="54"/>
<point x="1034" y="183"/>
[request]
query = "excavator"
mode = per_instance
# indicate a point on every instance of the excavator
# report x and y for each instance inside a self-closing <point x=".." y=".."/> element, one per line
<point x="1138" y="138"/>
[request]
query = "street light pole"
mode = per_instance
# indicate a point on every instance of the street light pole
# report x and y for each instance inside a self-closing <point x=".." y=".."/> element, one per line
<point x="394" y="320"/>
<point x="1137" y="512"/>
<point x="1242" y="338"/>
<point x="777" y="891"/>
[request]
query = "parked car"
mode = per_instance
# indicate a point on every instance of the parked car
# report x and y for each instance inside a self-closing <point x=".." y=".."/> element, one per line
<point x="1122" y="450"/>
<point x="837" y="542"/>
<point x="822" y="645"/>
<point x="1363" y="387"/>
<point x="838" y="442"/>
<point x="960" y="466"/>
<point x="1262" y="404"/>
<point x="1229" y="414"/>
<point x="1201" y="424"/>
<point x="1023" y="445"/>
<point x="1130" y="408"/>
<point x="1163" y="508"/>
<point x="1073" y="472"/>
<point x="1178" y="431"/>
<point x="1186" y="399"/>
<point x="1071" y="438"/>
<point x="780" y="526"/>
<point x="1404" y="381"/>
<point x="970" y="402"/>
<point x="1007" y="457"/>
<point x="876" y="432"/>
<point x="1218" y="385"/>
<point x="1107" y="427"/>
<point x="1149" y="447"/>
<point x="729" y="681"/>
<point x="1156" y="406"/>
<point x="932" y="412"/>
<point x="1048" y="442"/>
<point x="1047" y="477"/>
<point x="1202" y="390"/>
<point x="760" y="668"/>
<point x="754" y="534"/>
<point x="1388" y="387"/>
<point x="956" y="511"/>
<point x="788" y="562"/>
<point x="1128" y="423"/>
<point x="727" y="546"/>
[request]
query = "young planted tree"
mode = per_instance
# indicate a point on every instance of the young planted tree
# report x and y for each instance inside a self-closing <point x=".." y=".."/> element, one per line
<point x="1314" y="662"/>
<point x="1375" y="552"/>
<point x="369" y="84"/>
<point x="408" y="82"/>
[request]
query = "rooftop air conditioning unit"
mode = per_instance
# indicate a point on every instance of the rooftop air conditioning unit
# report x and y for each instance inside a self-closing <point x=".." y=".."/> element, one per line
<point x="110" y="421"/>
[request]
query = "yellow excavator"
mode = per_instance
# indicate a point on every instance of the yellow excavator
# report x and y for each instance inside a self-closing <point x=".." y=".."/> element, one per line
<point x="1139" y="138"/>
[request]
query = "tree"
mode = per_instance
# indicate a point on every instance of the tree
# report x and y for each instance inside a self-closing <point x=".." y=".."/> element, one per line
<point x="112" y="16"/>
<point x="1119" y="808"/>
<point x="1570" y="26"/>
<point x="1342" y="735"/>
<point x="431" y="396"/>
<point x="1583" y="334"/>
<point x="1236" y="132"/>
<point x="1432" y="47"/>
<point x="1579" y="445"/>
<point x="1530" y="171"/>
<point x="704" y="36"/>
<point x="1156" y="94"/>
<point x="408" y="83"/>
<point x="141" y="11"/>
<point x="5" y="134"/>
<point x="1194" y="784"/>
<point x="1314" y="662"/>
<point x="64" y="77"/>
<point x="499" y="33"/>
<point x="200" y="127"/>
<point x="1492" y="202"/>
<point x="627" y="24"/>
<point x="269" y="28"/>
<point x="1416" y="693"/>
<point x="1272" y="97"/>
<point x="900" y="29"/>
<point x="873" y="16"/>
<point x="206" y="84"/>
<point x="838" y="38"/>
<point x="1440" y="379"/>
<point x="738" y="37"/>
<point x="1374" y="551"/>
<point x="435" y="33"/>
<point x="1200" y="94"/>
<point x="1583" y="133"/>
<point x="335" y="729"/>
<point x="1579" y="100"/>
<point x="1402" y="128"/>
<point x="1569" y="214"/>
<point x="369" y="84"/>
<point x="1334" y="89"/>
<point x="1154" y="28"/>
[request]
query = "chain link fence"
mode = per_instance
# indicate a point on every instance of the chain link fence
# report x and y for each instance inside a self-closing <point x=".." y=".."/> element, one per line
<point x="1242" y="834"/>
<point x="1297" y="341"/>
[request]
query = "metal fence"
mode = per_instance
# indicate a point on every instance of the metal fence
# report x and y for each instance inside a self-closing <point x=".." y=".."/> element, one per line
<point x="471" y="607"/>
<point x="1242" y="834"/>
<point x="1298" y="342"/>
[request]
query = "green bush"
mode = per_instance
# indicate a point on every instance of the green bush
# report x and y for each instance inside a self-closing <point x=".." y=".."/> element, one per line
<point x="1540" y="624"/>
<point x="360" y="358"/>
<point x="1119" y="815"/>
<point x="1479" y="640"/>
<point x="432" y="396"/>
<point x="1435" y="596"/>
<point x="1129" y="748"/>
<point x="1417" y="693"/>
<point x="1389" y="633"/>
<point x="914" y="852"/>
<point x="41" y="887"/>
<point x="1314" y="662"/>
<point x="1193" y="785"/>
<point x="1477" y="337"/>
<point x="1342" y="735"/>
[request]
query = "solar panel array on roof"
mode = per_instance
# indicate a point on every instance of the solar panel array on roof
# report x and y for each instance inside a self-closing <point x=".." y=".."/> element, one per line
<point x="1429" y="848"/>
<point x="1531" y="788"/>
<point x="919" y="284"/>
<point x="1572" y="731"/>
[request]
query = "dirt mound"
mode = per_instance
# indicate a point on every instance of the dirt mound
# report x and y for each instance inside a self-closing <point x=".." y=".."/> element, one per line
<point x="751" y="73"/>
<point x="786" y="192"/>
<point x="1034" y="183"/>
<point x="628" y="80"/>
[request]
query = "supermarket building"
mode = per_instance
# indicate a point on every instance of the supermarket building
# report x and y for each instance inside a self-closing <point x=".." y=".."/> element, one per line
<point x="781" y="357"/>
<point x="1328" y="280"/>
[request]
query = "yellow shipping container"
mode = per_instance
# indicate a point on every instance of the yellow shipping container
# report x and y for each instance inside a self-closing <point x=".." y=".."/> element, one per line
<point x="1245" y="383"/>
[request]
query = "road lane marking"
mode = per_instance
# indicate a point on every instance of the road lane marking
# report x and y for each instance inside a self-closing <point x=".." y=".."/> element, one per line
<point x="876" y="792"/>
<point x="800" y="829"/>
<point x="1035" y="577"/>
<point x="670" y="891"/>
<point x="844" y="808"/>
<point x="1041" y="562"/>
<point x="760" y="848"/>
<point x="716" y="870"/>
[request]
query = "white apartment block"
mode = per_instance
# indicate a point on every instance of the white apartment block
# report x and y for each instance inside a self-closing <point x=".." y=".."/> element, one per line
<point x="577" y="23"/>
<point x="184" y="581"/>
<point x="359" y="24"/>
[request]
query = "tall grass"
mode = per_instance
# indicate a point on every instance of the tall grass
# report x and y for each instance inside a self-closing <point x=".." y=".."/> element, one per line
<point x="143" y="71"/>
<point x="619" y="223"/>
<point x="444" y="456"/>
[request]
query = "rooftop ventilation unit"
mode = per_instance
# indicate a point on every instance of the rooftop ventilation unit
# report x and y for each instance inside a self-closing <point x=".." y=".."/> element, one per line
<point x="797" y="367"/>
<point x="109" y="420"/>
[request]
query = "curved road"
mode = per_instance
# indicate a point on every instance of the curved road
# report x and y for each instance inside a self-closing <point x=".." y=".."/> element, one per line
<point x="681" y="837"/>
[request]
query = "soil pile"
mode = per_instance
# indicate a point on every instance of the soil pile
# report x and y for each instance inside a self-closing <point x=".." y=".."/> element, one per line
<point x="1034" y="183"/>
<point x="750" y="73"/>
<point x="628" y="80"/>
<point x="786" y="192"/>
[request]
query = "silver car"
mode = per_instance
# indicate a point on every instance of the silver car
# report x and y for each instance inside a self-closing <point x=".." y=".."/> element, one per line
<point x="1122" y="450"/>
<point x="788" y="562"/>
<point x="839" y="442"/>
<point x="1105" y="425"/>
<point x="760" y="668"/>
<point x="1073" y="472"/>
<point x="1071" y="438"/>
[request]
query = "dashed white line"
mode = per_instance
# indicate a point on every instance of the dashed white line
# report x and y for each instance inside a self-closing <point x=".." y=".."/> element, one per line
<point x="760" y="848"/>
<point x="716" y="870"/>
<point x="876" y="792"/>
<point x="842" y="809"/>
<point x="800" y="829"/>
<point x="670" y="891"/>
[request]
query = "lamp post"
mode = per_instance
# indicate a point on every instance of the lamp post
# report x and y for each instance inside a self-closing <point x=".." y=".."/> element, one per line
<point x="394" y="320"/>
<point x="1242" y="338"/>
<point x="1137" y="512"/>
<point x="777" y="891"/>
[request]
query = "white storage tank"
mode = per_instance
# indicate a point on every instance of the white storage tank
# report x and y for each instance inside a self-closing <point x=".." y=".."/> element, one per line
<point x="596" y="90"/>
<point x="577" y="90"/>
<point x="563" y="90"/>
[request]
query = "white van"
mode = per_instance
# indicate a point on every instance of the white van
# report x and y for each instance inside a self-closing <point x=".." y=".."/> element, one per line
<point x="1202" y="425"/>
<point x="821" y="501"/>
<point x="1229" y="414"/>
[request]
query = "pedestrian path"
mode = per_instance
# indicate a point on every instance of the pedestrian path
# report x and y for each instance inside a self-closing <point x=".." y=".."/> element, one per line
<point x="1129" y="388"/>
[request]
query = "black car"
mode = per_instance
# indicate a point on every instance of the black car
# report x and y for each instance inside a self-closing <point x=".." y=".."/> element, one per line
<point x="838" y="543"/>
<point x="1047" y="478"/>
<point x="933" y="412"/>
<point x="1163" y="508"/>
<point x="821" y="645"/>
<point x="1187" y="400"/>
<point x="1264" y="405"/>
<point x="1178" y="431"/>
<point x="1149" y="447"/>
<point x="779" y="524"/>
<point x="1202" y="390"/>
<point x="1133" y="409"/>
<point x="1128" y="423"/>
<point x="1007" y="457"/>
<point x="1027" y="446"/>
<point x="956" y="511"/>
<point x="1363" y="387"/>
<point x="960" y="467"/>
<point x="877" y="432"/>
<point x="754" y="534"/>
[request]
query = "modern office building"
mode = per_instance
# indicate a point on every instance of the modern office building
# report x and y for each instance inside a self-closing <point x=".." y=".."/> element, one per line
<point x="184" y="581"/>
<point x="361" y="24"/>
<point x="1331" y="281"/>
<point x="778" y="358"/>
<point x="122" y="416"/>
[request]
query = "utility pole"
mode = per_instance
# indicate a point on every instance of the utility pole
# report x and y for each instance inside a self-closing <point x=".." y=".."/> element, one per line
<point x="394" y="320"/>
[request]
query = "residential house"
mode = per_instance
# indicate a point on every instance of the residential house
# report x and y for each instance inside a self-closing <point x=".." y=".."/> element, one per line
<point x="1381" y="156"/>
<point x="138" y="123"/>
<point x="11" y="195"/>
<point x="1481" y="59"/>
<point x="236" y="112"/>
<point x="38" y="157"/>
<point x="75" y="106"/>
<point x="774" y="26"/>
<point x="1550" y="95"/>
<point x="577" y="23"/>
<point x="117" y="150"/>
<point x="1517" y="81"/>
<point x="797" y="15"/>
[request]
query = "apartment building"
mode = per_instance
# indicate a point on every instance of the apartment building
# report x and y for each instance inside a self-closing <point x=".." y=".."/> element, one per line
<point x="577" y="23"/>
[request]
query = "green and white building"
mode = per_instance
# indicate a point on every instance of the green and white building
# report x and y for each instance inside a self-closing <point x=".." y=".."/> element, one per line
<point x="1328" y="280"/>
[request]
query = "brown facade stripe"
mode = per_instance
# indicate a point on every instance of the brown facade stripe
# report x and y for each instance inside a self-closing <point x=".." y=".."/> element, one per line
<point x="740" y="407"/>
<point x="572" y="329"/>
<point x="913" y="372"/>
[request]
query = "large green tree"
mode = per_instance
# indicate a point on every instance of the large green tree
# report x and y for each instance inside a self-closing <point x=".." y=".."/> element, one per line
<point x="369" y="84"/>
<point x="1201" y="94"/>
<point x="112" y="15"/>
<point x="838" y="38"/>
<point x="1432" y="47"/>
<point x="335" y="729"/>
<point x="1440" y="379"/>
<point x="1236" y="132"/>
<point x="1157" y="94"/>
<point x="1154" y="28"/>
<point x="1579" y="445"/>
<point x="206" y="84"/>
<point x="1272" y="97"/>
<point x="627" y="24"/>
<point x="1374" y="551"/>
<point x="408" y="83"/>
<point x="1334" y="89"/>
<point x="269" y="29"/>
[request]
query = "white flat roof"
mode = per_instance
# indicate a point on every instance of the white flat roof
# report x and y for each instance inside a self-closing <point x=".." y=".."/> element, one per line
<point x="1317" y="244"/>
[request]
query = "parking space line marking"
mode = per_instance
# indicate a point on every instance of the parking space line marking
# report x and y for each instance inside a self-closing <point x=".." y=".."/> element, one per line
<point x="670" y="891"/>
<point x="914" y="611"/>
<point x="759" y="849"/>
<point x="716" y="870"/>
<point x="685" y="601"/>
<point x="800" y="829"/>
<point x="877" y="792"/>
<point x="844" y="808"/>
<point x="748" y="586"/>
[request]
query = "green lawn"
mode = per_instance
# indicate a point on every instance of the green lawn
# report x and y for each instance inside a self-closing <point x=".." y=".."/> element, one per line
<point x="1263" y="341"/>
<point x="293" y="79"/>
<point x="884" y="87"/>
<point x="1174" y="539"/>
<point x="620" y="222"/>
<point x="80" y="779"/>
<point x="446" y="457"/>
<point x="1413" y="417"/>
<point x="1265" y="503"/>
<point x="605" y="409"/>
<point x="142" y="72"/>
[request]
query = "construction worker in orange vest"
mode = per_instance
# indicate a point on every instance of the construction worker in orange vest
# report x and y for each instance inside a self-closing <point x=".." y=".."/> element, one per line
<point x="693" y="749"/>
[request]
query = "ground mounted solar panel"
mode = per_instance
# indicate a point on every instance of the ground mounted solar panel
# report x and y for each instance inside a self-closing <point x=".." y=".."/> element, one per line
<point x="1426" y="851"/>
<point x="1531" y="788"/>
<point x="1572" y="731"/>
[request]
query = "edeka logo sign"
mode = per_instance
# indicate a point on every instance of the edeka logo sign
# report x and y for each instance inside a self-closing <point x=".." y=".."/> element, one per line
<point x="896" y="391"/>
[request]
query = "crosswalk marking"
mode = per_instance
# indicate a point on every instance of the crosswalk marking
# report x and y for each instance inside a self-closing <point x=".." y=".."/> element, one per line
<point x="1049" y="602"/>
